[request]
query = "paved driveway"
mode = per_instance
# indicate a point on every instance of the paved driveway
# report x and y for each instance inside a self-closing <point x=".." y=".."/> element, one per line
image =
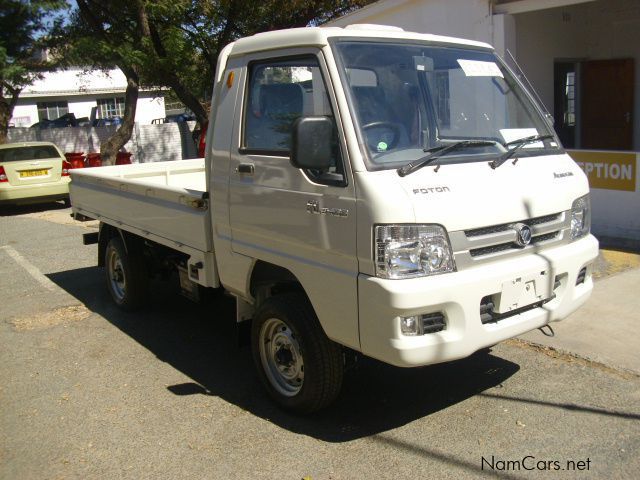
<point x="87" y="391"/>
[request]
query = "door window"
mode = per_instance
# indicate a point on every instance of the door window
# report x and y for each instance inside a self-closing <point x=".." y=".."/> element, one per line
<point x="280" y="92"/>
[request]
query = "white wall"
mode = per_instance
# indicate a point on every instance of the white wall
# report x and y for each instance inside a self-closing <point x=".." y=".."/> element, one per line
<point x="593" y="31"/>
<point x="24" y="115"/>
<point x="81" y="107"/>
<point x="615" y="213"/>
<point x="77" y="80"/>
<point x="457" y="18"/>
<point x="149" y="107"/>
<point x="149" y="143"/>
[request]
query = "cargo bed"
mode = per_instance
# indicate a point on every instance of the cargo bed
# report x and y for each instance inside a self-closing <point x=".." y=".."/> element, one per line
<point x="164" y="201"/>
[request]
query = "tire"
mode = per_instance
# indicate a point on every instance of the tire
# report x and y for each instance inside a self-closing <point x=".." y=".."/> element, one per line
<point x="299" y="366"/>
<point x="126" y="275"/>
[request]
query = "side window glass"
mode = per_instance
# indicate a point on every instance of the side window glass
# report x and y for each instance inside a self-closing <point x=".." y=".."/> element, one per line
<point x="280" y="92"/>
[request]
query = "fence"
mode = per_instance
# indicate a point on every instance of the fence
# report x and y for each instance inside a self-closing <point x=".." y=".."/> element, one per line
<point x="149" y="143"/>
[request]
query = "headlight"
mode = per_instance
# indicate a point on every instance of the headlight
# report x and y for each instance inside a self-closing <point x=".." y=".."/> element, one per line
<point x="580" y="217"/>
<point x="407" y="251"/>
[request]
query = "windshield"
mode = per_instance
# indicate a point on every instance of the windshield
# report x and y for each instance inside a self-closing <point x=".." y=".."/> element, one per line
<point x="409" y="98"/>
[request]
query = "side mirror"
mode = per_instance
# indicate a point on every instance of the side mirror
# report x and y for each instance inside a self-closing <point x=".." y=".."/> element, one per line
<point x="311" y="143"/>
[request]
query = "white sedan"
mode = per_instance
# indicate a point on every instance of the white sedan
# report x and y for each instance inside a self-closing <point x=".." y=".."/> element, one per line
<point x="32" y="172"/>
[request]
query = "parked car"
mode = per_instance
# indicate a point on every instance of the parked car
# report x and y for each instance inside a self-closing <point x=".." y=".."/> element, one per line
<point x="101" y="122"/>
<point x="32" y="172"/>
<point x="66" y="120"/>
<point x="180" y="117"/>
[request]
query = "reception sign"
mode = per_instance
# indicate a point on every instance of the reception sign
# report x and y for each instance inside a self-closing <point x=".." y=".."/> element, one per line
<point x="608" y="170"/>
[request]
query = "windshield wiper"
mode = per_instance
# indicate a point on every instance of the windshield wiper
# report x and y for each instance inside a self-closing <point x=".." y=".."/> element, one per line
<point x="521" y="142"/>
<point x="437" y="152"/>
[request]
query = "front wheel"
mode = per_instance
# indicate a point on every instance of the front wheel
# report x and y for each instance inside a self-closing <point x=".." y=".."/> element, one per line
<point x="126" y="275"/>
<point x="300" y="367"/>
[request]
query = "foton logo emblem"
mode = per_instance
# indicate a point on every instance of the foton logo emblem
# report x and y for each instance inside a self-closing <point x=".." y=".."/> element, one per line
<point x="427" y="190"/>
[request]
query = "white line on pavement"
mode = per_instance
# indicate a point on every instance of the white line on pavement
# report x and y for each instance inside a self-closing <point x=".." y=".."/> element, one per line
<point x="30" y="268"/>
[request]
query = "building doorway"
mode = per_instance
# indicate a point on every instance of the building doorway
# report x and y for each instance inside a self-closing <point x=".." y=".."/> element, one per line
<point x="593" y="103"/>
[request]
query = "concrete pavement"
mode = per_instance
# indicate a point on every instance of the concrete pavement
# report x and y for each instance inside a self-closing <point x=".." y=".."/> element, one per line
<point x="605" y="329"/>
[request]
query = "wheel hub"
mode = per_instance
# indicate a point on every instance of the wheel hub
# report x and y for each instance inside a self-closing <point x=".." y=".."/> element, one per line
<point x="281" y="357"/>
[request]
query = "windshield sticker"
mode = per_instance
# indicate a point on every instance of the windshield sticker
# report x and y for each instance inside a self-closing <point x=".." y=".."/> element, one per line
<point x="476" y="68"/>
<point x="513" y="134"/>
<point x="382" y="146"/>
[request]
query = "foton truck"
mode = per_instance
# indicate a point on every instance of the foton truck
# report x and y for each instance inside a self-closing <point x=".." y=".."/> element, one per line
<point x="364" y="189"/>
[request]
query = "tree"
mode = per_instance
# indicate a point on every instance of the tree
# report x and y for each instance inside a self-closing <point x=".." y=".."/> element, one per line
<point x="23" y="32"/>
<point x="107" y="34"/>
<point x="186" y="36"/>
<point x="176" y="43"/>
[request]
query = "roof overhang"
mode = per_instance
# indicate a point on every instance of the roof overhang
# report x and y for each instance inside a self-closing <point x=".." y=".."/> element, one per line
<point x="524" y="6"/>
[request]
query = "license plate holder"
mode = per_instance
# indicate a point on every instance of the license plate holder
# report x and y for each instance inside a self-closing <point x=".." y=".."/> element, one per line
<point x="523" y="291"/>
<point x="33" y="173"/>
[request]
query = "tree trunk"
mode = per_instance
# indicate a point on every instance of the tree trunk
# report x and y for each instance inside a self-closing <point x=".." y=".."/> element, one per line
<point x="188" y="98"/>
<point x="6" y="109"/>
<point x="110" y="147"/>
<point x="5" y="115"/>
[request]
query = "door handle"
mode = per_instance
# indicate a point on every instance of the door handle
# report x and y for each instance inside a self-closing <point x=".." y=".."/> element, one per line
<point x="246" y="168"/>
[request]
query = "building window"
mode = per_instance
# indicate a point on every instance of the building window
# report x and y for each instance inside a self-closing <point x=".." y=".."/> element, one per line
<point x="52" y="110"/>
<point x="110" y="107"/>
<point x="570" y="99"/>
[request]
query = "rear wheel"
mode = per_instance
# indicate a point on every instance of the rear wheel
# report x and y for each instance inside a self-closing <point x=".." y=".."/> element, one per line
<point x="126" y="275"/>
<point x="300" y="367"/>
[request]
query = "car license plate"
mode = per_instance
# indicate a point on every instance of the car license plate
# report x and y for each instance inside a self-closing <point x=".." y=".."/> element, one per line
<point x="523" y="291"/>
<point x="32" y="173"/>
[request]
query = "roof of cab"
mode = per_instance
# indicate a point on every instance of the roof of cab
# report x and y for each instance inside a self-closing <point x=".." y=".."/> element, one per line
<point x="318" y="37"/>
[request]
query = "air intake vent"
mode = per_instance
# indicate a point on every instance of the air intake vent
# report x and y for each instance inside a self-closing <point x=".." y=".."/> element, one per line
<point x="433" y="322"/>
<point x="487" y="315"/>
<point x="582" y="275"/>
<point x="538" y="239"/>
<point x="476" y="232"/>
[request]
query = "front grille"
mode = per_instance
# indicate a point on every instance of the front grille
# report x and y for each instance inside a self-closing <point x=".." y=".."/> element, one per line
<point x="581" y="276"/>
<point x="487" y="315"/>
<point x="478" y="252"/>
<point x="504" y="227"/>
<point x="433" y="322"/>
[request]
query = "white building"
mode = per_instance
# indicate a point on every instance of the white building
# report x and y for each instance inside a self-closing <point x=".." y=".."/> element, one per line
<point x="93" y="94"/>
<point x="582" y="58"/>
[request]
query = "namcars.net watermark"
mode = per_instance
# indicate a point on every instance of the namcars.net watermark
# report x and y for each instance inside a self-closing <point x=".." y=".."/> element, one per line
<point x="531" y="463"/>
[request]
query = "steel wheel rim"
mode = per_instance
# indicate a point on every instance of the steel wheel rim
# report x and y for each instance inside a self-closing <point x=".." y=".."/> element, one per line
<point x="281" y="357"/>
<point x="116" y="275"/>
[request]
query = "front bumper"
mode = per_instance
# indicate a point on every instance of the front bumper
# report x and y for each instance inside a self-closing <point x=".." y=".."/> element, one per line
<point x="38" y="192"/>
<point x="458" y="296"/>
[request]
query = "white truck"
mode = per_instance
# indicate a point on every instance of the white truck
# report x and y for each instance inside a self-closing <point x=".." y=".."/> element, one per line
<point x="364" y="189"/>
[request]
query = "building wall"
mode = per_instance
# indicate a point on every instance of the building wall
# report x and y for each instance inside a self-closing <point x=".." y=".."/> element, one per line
<point x="24" y="115"/>
<point x="149" y="143"/>
<point x="592" y="31"/>
<point x="456" y="18"/>
<point x="149" y="107"/>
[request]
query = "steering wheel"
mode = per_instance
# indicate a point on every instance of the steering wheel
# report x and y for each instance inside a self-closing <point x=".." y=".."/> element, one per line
<point x="389" y="145"/>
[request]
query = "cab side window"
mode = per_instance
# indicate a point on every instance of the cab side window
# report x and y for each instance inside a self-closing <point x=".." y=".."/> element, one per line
<point x="279" y="92"/>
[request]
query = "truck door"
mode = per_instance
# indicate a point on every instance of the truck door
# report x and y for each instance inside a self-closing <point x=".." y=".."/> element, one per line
<point x="303" y="221"/>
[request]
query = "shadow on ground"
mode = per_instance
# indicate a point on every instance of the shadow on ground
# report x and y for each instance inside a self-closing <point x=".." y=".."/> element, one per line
<point x="201" y="342"/>
<point x="12" y="210"/>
